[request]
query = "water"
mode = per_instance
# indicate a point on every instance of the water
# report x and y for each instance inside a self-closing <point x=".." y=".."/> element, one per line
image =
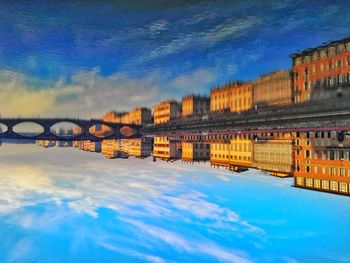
<point x="65" y="205"/>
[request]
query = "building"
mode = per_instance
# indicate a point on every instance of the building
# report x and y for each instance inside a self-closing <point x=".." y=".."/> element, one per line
<point x="241" y="97"/>
<point x="140" y="116"/>
<point x="322" y="72"/>
<point x="274" y="156"/>
<point x="109" y="148"/>
<point x="166" y="148"/>
<point x="166" y="111"/>
<point x="140" y="148"/>
<point x="236" y="154"/>
<point x="235" y="97"/>
<point x="272" y="89"/>
<point x="195" y="151"/>
<point x="322" y="161"/>
<point x="195" y="105"/>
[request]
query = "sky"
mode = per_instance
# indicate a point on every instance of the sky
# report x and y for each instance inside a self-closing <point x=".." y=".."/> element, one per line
<point x="65" y="205"/>
<point x="83" y="58"/>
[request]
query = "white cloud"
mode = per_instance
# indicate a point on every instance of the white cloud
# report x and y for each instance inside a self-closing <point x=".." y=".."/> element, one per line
<point x="231" y="28"/>
<point x="89" y="94"/>
<point x="190" y="246"/>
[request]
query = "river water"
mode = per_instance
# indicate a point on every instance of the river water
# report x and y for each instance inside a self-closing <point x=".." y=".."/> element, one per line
<point x="65" y="205"/>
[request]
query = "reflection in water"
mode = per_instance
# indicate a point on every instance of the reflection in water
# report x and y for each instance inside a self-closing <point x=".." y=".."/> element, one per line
<point x="64" y="205"/>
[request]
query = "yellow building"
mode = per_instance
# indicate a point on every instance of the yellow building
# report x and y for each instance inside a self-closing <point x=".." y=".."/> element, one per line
<point x="110" y="148"/>
<point x="275" y="156"/>
<point x="241" y="98"/>
<point x="195" y="105"/>
<point x="166" y="111"/>
<point x="237" y="153"/>
<point x="235" y="97"/>
<point x="220" y="98"/>
<point x="140" y="116"/>
<point x="141" y="147"/>
<point x="166" y="148"/>
<point x="195" y="151"/>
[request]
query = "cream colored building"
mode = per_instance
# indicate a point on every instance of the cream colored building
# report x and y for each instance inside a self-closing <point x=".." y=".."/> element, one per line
<point x="275" y="156"/>
<point x="166" y="111"/>
<point x="274" y="88"/>
<point x="195" y="151"/>
<point x="166" y="148"/>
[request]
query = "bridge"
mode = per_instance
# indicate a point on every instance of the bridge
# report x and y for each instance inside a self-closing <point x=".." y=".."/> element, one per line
<point x="115" y="130"/>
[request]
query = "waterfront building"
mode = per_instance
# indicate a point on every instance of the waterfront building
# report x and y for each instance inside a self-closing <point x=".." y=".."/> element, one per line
<point x="274" y="88"/>
<point x="235" y="97"/>
<point x="274" y="156"/>
<point x="113" y="116"/>
<point x="322" y="161"/>
<point x="195" y="105"/>
<point x="110" y="148"/>
<point x="238" y="153"/>
<point x="322" y="72"/>
<point x="141" y="147"/>
<point x="166" y="148"/>
<point x="241" y="98"/>
<point x="140" y="116"/>
<point x="195" y="151"/>
<point x="166" y="111"/>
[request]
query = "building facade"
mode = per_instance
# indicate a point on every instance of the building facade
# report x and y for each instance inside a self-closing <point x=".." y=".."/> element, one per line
<point x="235" y="97"/>
<point x="322" y="161"/>
<point x="274" y="156"/>
<point x="166" y="148"/>
<point x="166" y="111"/>
<point x="195" y="151"/>
<point x="195" y="105"/>
<point x="322" y="72"/>
<point x="274" y="88"/>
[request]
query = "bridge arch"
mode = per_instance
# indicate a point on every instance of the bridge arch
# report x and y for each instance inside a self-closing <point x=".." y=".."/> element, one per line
<point x="66" y="129"/>
<point x="101" y="130"/>
<point x="28" y="128"/>
<point x="3" y="128"/>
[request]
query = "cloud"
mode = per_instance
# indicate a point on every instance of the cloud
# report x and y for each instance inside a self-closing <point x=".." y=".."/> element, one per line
<point x="190" y="246"/>
<point x="88" y="94"/>
<point x="231" y="28"/>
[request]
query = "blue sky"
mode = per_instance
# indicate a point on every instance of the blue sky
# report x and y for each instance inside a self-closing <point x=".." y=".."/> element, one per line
<point x="69" y="51"/>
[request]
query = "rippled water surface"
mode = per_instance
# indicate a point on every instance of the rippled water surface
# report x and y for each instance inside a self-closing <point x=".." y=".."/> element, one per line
<point x="63" y="205"/>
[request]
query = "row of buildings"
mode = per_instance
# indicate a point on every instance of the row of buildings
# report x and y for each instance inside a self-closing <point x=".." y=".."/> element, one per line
<point x="316" y="74"/>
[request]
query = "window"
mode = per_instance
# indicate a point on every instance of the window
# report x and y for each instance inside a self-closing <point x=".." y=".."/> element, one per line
<point x="308" y="182"/>
<point x="317" y="183"/>
<point x="334" y="186"/>
<point x="325" y="184"/>
<point x="343" y="187"/>
<point x="300" y="181"/>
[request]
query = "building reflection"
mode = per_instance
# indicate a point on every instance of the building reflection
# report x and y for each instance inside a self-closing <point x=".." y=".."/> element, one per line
<point x="317" y="160"/>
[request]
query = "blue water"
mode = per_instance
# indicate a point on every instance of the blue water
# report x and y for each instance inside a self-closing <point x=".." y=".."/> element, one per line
<point x="64" y="205"/>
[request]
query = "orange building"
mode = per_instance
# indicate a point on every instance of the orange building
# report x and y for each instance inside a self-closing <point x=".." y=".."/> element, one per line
<point x="195" y="105"/>
<point x="321" y="72"/>
<point x="322" y="161"/>
<point x="274" y="88"/>
<point x="195" y="151"/>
